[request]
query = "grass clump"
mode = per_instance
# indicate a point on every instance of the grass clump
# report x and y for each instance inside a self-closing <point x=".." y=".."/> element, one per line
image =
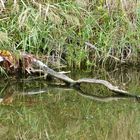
<point x="60" y="28"/>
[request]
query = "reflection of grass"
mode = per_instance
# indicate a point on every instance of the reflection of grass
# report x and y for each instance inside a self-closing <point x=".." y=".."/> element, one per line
<point x="66" y="115"/>
<point x="3" y="130"/>
<point x="96" y="89"/>
<point x="127" y="127"/>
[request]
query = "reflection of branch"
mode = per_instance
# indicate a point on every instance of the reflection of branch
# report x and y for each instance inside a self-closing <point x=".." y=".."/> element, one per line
<point x="40" y="91"/>
<point x="9" y="97"/>
<point x="84" y="94"/>
<point x="107" y="98"/>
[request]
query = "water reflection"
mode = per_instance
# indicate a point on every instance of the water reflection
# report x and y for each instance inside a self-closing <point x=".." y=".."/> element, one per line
<point x="60" y="112"/>
<point x="10" y="89"/>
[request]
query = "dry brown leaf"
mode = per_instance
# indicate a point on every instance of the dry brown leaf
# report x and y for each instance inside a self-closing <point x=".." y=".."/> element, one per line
<point x="7" y="100"/>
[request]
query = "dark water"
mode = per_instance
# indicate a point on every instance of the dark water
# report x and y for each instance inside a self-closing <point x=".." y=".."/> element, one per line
<point x="39" y="109"/>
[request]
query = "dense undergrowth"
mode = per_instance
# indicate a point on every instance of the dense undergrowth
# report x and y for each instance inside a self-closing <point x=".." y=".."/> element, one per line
<point x="79" y="32"/>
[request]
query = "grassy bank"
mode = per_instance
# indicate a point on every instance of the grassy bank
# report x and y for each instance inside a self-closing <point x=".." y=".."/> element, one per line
<point x="60" y="28"/>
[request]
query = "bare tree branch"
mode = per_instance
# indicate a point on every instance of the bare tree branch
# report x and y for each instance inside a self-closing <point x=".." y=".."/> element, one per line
<point x="102" y="82"/>
<point x="74" y="83"/>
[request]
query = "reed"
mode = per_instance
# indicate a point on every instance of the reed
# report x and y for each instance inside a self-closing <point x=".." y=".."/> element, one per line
<point x="61" y="28"/>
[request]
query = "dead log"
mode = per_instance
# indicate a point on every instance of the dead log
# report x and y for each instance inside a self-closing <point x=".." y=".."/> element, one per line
<point x="76" y="83"/>
<point x="51" y="72"/>
<point x="27" y="61"/>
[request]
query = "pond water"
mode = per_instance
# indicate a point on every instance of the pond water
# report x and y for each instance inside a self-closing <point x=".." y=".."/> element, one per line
<point x="62" y="113"/>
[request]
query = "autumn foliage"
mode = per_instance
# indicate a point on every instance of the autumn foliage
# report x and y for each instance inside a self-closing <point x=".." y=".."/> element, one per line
<point x="12" y="64"/>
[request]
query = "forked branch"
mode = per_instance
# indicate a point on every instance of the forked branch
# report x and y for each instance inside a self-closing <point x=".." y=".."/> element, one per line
<point x="74" y="83"/>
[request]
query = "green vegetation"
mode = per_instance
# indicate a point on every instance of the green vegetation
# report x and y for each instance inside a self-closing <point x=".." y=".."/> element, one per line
<point x="111" y="30"/>
<point x="61" y="27"/>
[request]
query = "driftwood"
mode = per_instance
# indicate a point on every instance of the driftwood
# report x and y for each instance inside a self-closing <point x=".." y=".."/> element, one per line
<point x="76" y="83"/>
<point x="29" y="61"/>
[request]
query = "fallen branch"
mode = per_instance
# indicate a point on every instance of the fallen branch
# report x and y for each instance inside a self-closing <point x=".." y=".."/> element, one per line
<point x="76" y="83"/>
<point x="102" y="82"/>
<point x="27" y="62"/>
<point x="53" y="73"/>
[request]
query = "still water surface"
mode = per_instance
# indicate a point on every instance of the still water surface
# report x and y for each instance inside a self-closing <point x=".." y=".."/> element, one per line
<point x="61" y="113"/>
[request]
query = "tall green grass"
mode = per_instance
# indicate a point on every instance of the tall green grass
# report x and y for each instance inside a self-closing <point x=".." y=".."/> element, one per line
<point x="61" y="28"/>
